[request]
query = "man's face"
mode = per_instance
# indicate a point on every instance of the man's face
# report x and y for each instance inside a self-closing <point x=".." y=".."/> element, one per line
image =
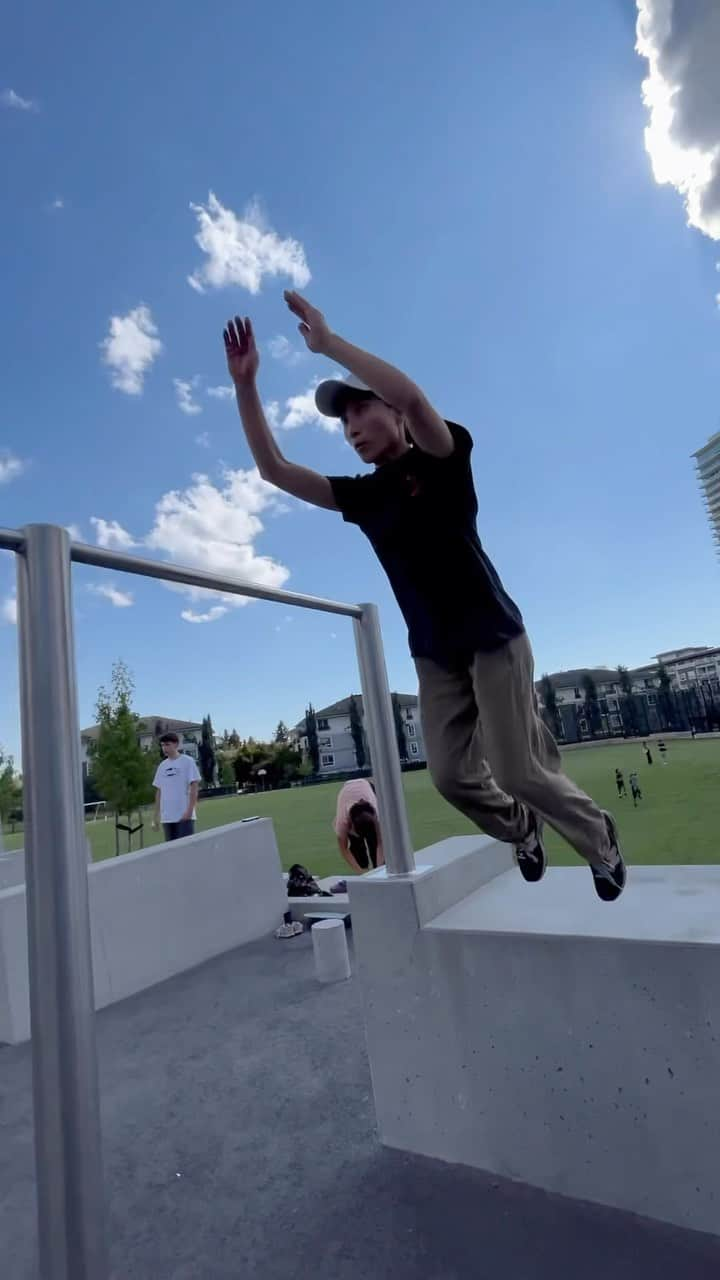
<point x="170" y="749"/>
<point x="374" y="430"/>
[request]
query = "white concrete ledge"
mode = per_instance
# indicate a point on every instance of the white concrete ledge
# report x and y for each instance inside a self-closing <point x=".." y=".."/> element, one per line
<point x="156" y="913"/>
<point x="535" y="1032"/>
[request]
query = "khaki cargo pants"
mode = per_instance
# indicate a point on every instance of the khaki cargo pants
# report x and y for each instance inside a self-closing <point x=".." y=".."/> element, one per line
<point x="491" y="755"/>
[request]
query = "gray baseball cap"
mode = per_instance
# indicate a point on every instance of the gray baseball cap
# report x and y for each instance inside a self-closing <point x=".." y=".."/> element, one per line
<point x="332" y="395"/>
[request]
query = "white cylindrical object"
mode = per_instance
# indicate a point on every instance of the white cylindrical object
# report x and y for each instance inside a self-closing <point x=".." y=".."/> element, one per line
<point x="332" y="962"/>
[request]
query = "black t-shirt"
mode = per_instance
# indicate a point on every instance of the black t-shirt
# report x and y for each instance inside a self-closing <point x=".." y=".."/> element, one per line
<point x="419" y="513"/>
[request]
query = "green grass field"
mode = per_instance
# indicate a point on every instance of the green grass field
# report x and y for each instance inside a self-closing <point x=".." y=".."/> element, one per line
<point x="677" y="821"/>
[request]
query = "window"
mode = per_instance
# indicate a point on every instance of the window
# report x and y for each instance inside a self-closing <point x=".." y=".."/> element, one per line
<point x="615" y="722"/>
<point x="612" y="704"/>
<point x="651" y="699"/>
<point x="649" y="684"/>
<point x="582" y="726"/>
<point x="578" y="693"/>
<point x="414" y="749"/>
<point x="327" y="761"/>
<point x="411" y="731"/>
<point x="409" y="714"/>
<point x="683" y="677"/>
<point x="325" y="744"/>
<point x="323" y="724"/>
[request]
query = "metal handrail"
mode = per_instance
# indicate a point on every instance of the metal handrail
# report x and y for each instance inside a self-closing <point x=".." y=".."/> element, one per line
<point x="65" y="1082"/>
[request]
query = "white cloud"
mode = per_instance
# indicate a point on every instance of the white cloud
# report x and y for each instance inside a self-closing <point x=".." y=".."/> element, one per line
<point x="214" y="528"/>
<point x="58" y="203"/>
<point x="203" y="440"/>
<point x="130" y="349"/>
<point x="111" y="535"/>
<point x="184" y="393"/>
<point x="221" y="393"/>
<point x="681" y="42"/>
<point x="75" y="532"/>
<point x="212" y="615"/>
<point x="121" y="599"/>
<point x="282" y="349"/>
<point x="243" y="250"/>
<point x="9" y="98"/>
<point x="10" y="467"/>
<point x="301" y="412"/>
<point x="8" y="610"/>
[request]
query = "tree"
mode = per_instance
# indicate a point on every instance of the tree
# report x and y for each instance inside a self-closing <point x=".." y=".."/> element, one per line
<point x="592" y="704"/>
<point x="234" y="739"/>
<point x="665" y="700"/>
<point x="122" y="770"/>
<point x="628" y="710"/>
<point x="399" y="727"/>
<point x="550" y="705"/>
<point x="10" y="790"/>
<point x="311" y="734"/>
<point x="357" y="734"/>
<point x="206" y="752"/>
<point x="282" y="733"/>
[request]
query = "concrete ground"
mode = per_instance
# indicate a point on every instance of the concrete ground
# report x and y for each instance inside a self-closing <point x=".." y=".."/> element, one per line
<point x="239" y="1142"/>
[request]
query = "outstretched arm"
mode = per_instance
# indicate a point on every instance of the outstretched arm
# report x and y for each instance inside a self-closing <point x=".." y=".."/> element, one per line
<point x="243" y="363"/>
<point x="429" y="431"/>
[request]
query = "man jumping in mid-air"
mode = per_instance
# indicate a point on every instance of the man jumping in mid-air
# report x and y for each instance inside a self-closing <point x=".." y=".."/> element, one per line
<point x="489" y="752"/>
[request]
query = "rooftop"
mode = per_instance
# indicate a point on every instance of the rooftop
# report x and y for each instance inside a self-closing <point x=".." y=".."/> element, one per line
<point x="240" y="1141"/>
<point x="168" y="725"/>
<point x="342" y="708"/>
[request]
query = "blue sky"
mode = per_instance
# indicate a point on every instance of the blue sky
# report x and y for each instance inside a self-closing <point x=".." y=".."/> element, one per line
<point x="471" y="196"/>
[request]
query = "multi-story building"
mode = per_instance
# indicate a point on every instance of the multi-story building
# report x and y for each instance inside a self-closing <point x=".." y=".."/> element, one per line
<point x="151" y="729"/>
<point x="691" y="698"/>
<point x="335" y="741"/>
<point x="707" y="461"/>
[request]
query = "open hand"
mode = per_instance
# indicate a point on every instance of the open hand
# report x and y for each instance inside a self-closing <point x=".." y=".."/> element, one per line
<point x="242" y="354"/>
<point x="313" y="325"/>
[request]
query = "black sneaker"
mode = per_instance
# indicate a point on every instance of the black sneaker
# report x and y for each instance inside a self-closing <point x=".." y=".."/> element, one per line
<point x="530" y="853"/>
<point x="610" y="880"/>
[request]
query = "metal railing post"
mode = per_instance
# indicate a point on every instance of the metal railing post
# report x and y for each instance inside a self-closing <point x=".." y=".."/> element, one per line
<point x="71" y="1209"/>
<point x="380" y="724"/>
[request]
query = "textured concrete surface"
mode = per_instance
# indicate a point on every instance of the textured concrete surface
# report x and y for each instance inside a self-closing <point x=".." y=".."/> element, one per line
<point x="660" y="904"/>
<point x="511" y="1035"/>
<point x="156" y="913"/>
<point x="250" y="1081"/>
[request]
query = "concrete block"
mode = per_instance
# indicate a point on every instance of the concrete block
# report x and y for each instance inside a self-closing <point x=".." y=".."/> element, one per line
<point x="537" y="1033"/>
<point x="156" y="913"/>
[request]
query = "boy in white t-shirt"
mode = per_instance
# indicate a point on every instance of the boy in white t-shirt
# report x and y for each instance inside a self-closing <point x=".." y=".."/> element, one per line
<point x="176" y="789"/>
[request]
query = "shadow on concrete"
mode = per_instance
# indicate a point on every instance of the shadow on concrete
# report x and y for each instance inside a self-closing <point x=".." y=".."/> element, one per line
<point x="239" y="1141"/>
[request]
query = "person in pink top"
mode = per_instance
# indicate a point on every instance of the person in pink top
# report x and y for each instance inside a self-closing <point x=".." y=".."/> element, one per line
<point x="357" y="827"/>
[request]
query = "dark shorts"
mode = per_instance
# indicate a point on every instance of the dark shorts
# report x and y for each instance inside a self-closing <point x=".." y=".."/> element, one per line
<point x="176" y="830"/>
<point x="364" y="851"/>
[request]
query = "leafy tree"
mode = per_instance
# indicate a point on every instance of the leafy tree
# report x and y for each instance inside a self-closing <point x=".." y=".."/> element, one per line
<point x="628" y="709"/>
<point x="311" y="734"/>
<point x="282" y="733"/>
<point x="399" y="729"/>
<point x="279" y="762"/>
<point x="665" y="699"/>
<point x="592" y="703"/>
<point x="550" y="705"/>
<point x="234" y="739"/>
<point x="10" y="789"/>
<point x="206" y="752"/>
<point x="121" y="769"/>
<point x="357" y="734"/>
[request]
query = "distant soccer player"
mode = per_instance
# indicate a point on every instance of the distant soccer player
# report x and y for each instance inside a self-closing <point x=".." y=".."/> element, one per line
<point x="176" y="784"/>
<point x="648" y="753"/>
<point x="663" y="751"/>
<point x="635" y="788"/>
<point x="620" y="782"/>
